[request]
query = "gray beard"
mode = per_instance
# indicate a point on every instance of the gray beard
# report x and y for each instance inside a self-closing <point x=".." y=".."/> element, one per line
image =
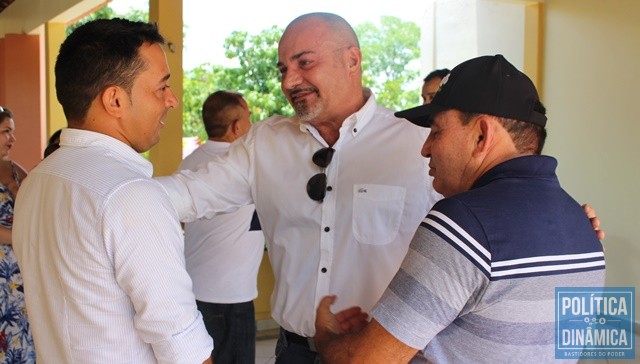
<point x="305" y="113"/>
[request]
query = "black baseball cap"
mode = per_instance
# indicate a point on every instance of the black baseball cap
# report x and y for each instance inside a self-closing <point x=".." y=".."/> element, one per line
<point x="484" y="85"/>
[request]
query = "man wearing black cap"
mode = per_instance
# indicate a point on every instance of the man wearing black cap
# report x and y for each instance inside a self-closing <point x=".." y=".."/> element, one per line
<point x="477" y="284"/>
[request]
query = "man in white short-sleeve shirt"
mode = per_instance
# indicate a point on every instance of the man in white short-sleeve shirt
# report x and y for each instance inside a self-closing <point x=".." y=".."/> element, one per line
<point x="223" y="253"/>
<point x="477" y="285"/>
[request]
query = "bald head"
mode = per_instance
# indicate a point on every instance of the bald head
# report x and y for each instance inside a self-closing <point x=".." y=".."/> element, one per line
<point x="340" y="29"/>
<point x="321" y="67"/>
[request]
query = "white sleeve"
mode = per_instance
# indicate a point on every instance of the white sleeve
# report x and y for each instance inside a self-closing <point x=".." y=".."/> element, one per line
<point x="144" y="242"/>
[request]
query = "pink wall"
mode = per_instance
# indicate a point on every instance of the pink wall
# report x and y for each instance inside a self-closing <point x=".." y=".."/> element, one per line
<point x="22" y="86"/>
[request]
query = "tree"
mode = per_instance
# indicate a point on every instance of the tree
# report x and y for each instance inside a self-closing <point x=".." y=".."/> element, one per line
<point x="256" y="77"/>
<point x="386" y="52"/>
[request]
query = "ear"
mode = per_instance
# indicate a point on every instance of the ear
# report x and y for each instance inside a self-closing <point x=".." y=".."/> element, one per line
<point x="113" y="99"/>
<point x="355" y="56"/>
<point x="234" y="128"/>
<point x="484" y="133"/>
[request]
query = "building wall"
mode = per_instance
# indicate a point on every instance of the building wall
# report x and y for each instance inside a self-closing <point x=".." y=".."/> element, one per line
<point x="23" y="79"/>
<point x="592" y="88"/>
<point x="456" y="30"/>
<point x="448" y="34"/>
<point x="501" y="30"/>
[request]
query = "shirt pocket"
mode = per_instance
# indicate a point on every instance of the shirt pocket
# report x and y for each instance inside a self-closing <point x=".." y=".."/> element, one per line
<point x="377" y="213"/>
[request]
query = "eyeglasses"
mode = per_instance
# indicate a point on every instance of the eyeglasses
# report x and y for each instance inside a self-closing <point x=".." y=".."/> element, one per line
<point x="317" y="185"/>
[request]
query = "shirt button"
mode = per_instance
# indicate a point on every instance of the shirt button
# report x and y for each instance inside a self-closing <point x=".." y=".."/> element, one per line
<point x="355" y="130"/>
<point x="323" y="270"/>
<point x="327" y="229"/>
<point x="329" y="188"/>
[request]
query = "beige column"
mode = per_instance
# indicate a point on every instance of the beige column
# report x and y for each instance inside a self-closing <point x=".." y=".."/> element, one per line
<point x="54" y="35"/>
<point x="167" y="155"/>
<point x="533" y="38"/>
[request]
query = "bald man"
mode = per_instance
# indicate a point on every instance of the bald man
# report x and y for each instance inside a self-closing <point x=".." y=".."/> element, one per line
<point x="340" y="188"/>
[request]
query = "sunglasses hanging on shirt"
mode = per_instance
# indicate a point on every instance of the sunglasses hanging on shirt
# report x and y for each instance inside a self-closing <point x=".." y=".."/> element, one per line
<point x="317" y="185"/>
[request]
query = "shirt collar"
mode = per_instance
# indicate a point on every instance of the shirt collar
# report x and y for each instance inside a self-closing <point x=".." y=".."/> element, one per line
<point x="530" y="166"/>
<point x="356" y="121"/>
<point x="216" y="143"/>
<point x="79" y="138"/>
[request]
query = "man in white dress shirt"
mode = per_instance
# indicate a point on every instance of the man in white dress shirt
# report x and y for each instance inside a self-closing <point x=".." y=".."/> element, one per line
<point x="223" y="253"/>
<point x="340" y="188"/>
<point x="97" y="239"/>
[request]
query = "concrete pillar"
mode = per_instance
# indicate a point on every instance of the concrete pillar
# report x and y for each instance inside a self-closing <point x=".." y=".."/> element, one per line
<point x="533" y="44"/>
<point x="55" y="33"/>
<point x="167" y="155"/>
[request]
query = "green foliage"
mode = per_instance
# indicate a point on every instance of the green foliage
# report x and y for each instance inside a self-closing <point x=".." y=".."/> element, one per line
<point x="386" y="52"/>
<point x="255" y="76"/>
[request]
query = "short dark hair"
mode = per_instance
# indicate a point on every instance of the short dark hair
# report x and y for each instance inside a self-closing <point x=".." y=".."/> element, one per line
<point x="528" y="137"/>
<point x="215" y="121"/>
<point x="5" y="113"/>
<point x="55" y="137"/>
<point x="98" y="54"/>
<point x="441" y="73"/>
<point x="53" y="144"/>
<point x="50" y="149"/>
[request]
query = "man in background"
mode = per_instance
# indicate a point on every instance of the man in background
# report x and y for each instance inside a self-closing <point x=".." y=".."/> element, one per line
<point x="223" y="253"/>
<point x="432" y="83"/>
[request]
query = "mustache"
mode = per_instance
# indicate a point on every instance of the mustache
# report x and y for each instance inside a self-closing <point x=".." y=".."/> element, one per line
<point x="300" y="89"/>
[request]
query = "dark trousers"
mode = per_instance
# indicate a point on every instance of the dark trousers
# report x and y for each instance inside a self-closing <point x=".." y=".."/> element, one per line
<point x="298" y="352"/>
<point x="233" y="329"/>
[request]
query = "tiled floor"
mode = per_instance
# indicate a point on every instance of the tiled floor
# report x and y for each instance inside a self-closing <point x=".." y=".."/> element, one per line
<point x="265" y="351"/>
<point x="266" y="339"/>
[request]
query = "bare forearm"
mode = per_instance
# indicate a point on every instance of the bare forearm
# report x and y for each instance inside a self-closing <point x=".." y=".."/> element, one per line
<point x="334" y="348"/>
<point x="373" y="344"/>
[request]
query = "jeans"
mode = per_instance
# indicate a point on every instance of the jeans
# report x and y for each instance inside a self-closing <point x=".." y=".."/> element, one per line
<point x="292" y="353"/>
<point x="233" y="329"/>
